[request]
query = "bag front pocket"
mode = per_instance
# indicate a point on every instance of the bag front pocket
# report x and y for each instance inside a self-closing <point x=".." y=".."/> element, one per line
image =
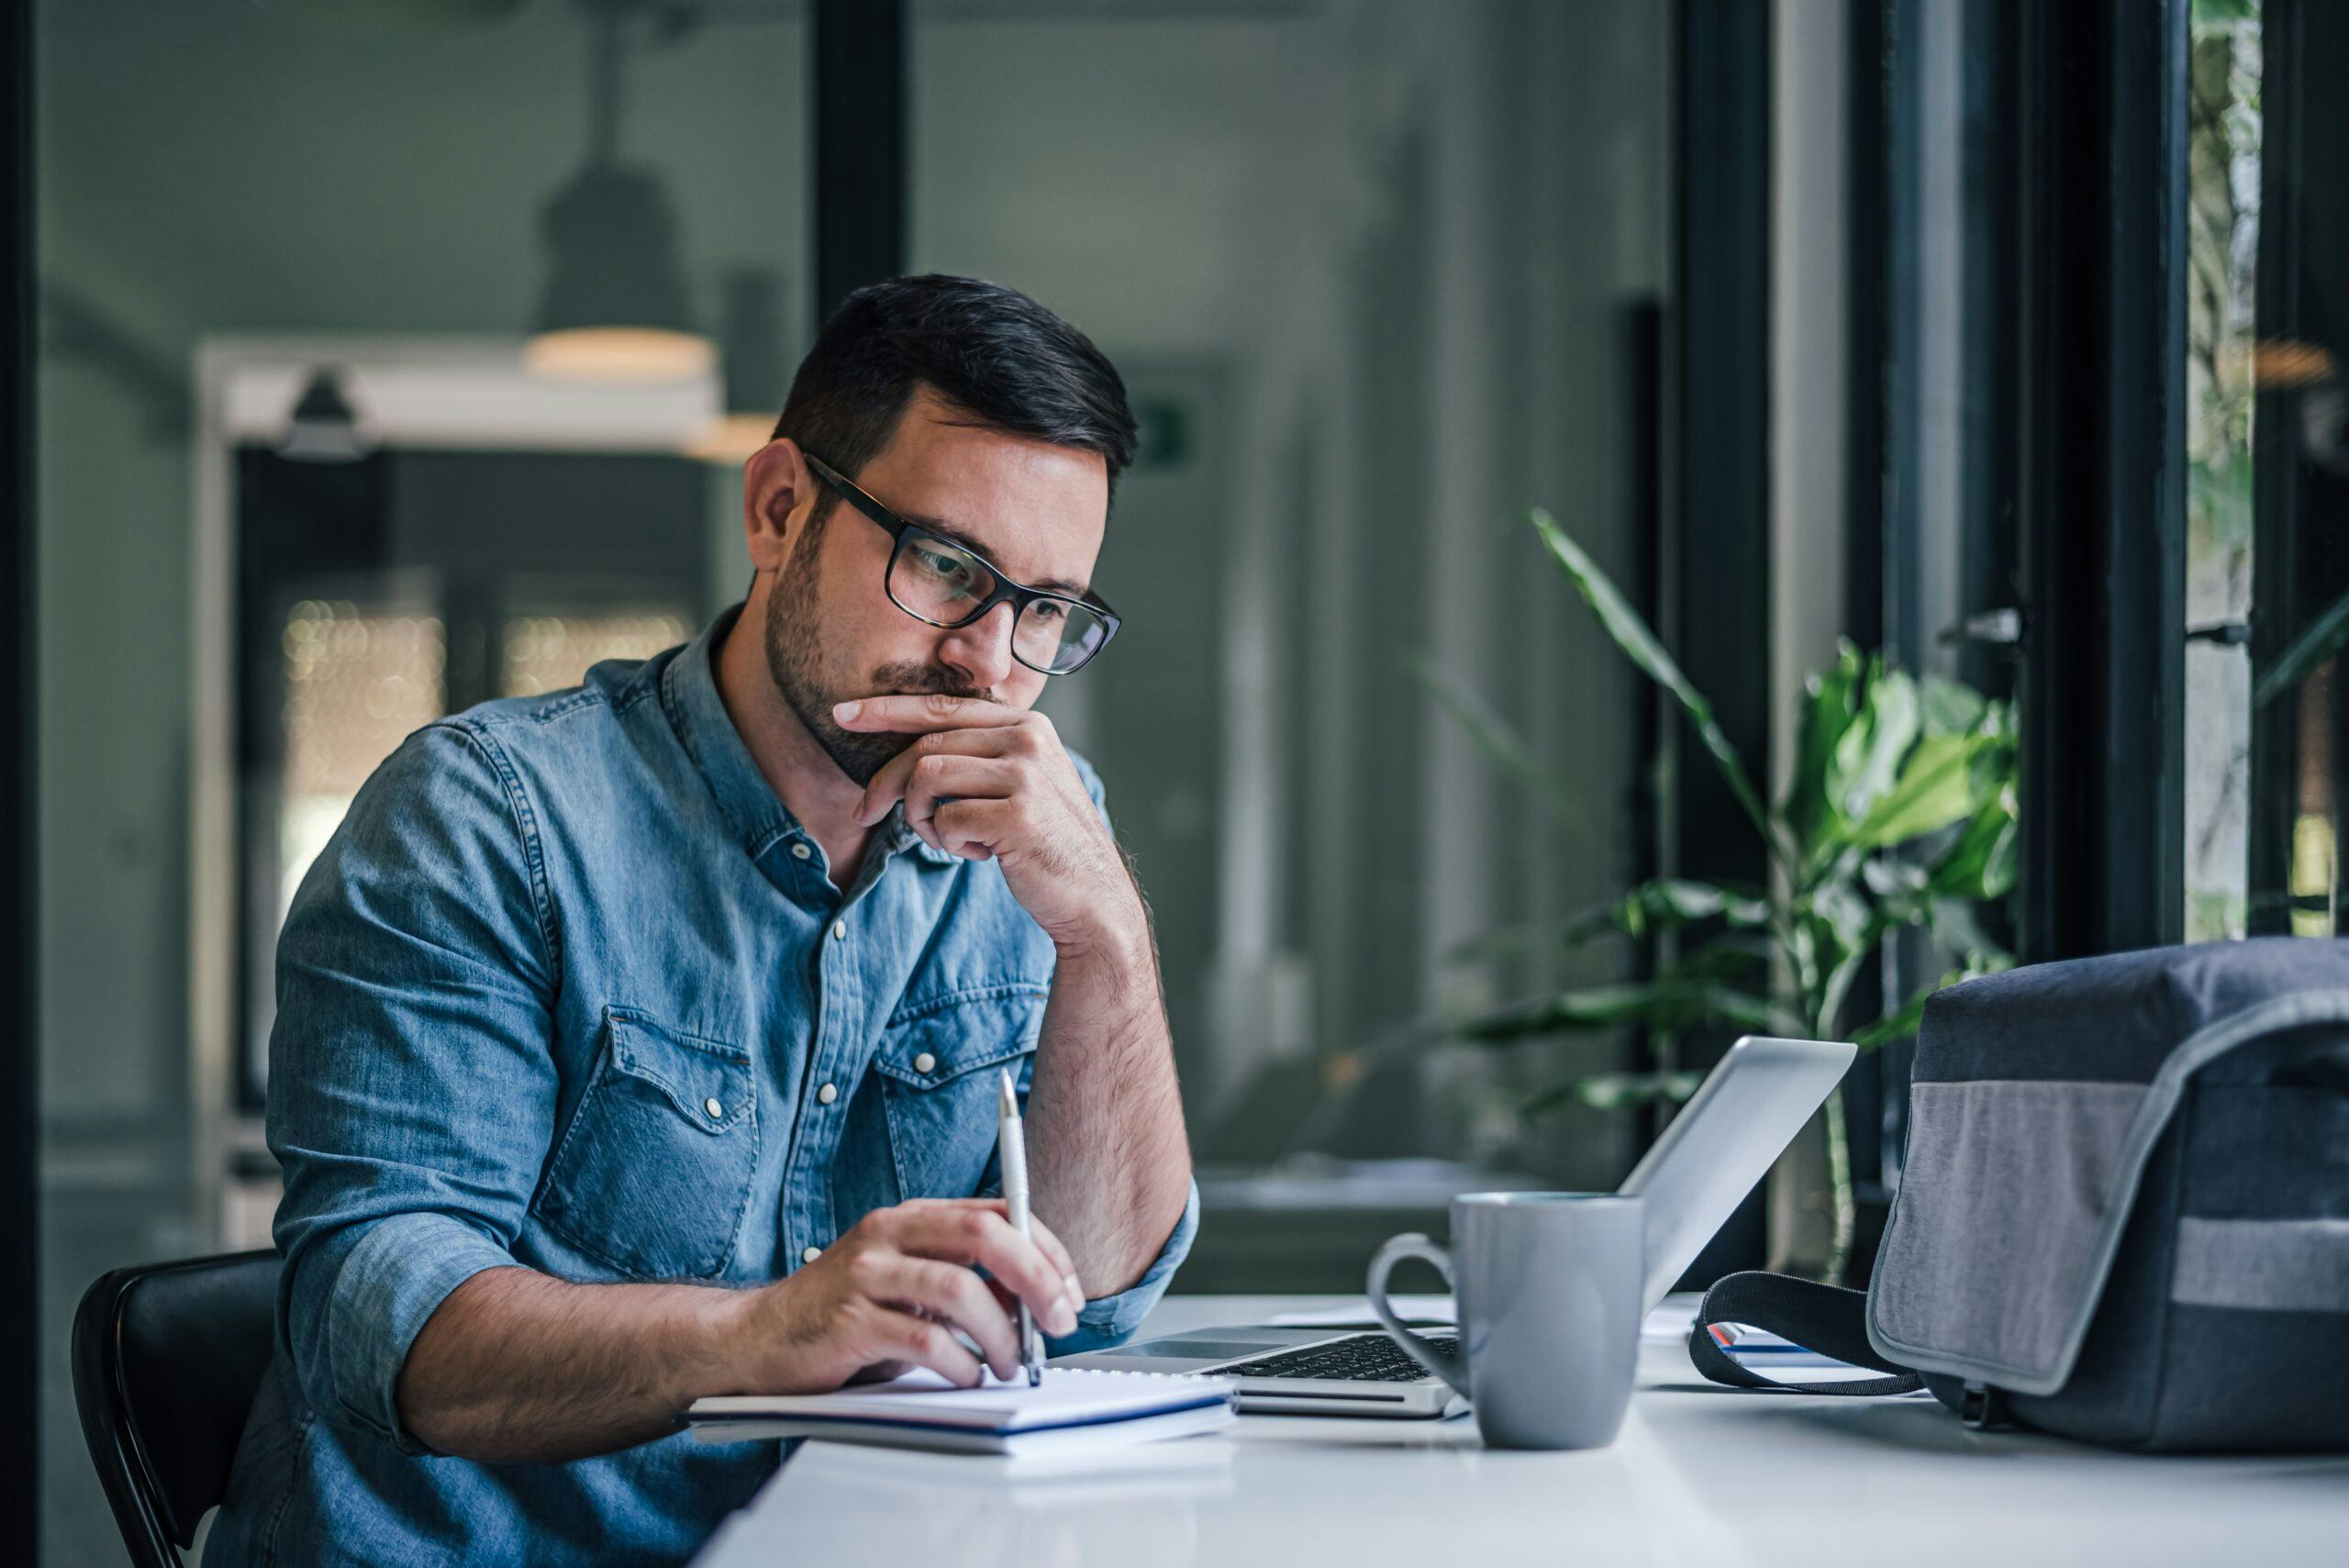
<point x="653" y="1174"/>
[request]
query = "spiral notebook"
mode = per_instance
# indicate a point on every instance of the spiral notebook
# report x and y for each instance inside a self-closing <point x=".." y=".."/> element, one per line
<point x="1072" y="1410"/>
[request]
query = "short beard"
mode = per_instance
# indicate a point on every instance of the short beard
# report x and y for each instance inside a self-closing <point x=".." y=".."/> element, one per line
<point x="794" y="660"/>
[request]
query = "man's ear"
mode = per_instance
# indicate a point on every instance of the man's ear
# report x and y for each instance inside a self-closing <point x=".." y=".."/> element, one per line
<point x="778" y="490"/>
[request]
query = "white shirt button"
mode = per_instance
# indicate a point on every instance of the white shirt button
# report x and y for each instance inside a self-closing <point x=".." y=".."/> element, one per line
<point x="809" y="1254"/>
<point x="827" y="1095"/>
<point x="800" y="851"/>
<point x="925" y="1063"/>
<point x="839" y="930"/>
<point x="714" y="1107"/>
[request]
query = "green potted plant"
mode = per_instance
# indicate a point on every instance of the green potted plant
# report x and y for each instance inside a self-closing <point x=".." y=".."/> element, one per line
<point x="1900" y="814"/>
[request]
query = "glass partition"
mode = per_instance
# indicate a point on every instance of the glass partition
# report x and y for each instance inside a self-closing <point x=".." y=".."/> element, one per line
<point x="328" y="445"/>
<point x="2268" y="580"/>
<point x="1374" y="275"/>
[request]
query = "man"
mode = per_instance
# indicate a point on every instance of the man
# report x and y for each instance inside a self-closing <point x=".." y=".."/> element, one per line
<point x="641" y="1041"/>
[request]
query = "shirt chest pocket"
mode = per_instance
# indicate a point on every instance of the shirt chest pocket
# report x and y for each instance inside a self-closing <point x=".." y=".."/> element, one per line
<point x="939" y="1065"/>
<point x="653" y="1173"/>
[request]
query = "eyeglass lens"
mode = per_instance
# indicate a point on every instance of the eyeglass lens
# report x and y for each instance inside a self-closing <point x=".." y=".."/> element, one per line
<point x="936" y="581"/>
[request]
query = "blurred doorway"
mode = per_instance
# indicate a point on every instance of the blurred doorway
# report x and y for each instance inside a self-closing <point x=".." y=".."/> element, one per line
<point x="385" y="569"/>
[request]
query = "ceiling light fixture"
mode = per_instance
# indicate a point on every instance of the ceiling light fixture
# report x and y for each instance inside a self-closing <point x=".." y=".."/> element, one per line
<point x="322" y="428"/>
<point x="616" y="310"/>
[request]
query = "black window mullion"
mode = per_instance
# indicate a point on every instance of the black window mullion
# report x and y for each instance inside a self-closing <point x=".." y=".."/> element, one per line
<point x="2100" y="422"/>
<point x="2281" y="592"/>
<point x="1718" y="589"/>
<point x="1874" y="160"/>
<point x="859" y="59"/>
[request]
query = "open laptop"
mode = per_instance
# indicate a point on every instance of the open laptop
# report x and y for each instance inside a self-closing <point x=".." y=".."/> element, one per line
<point x="1741" y="1119"/>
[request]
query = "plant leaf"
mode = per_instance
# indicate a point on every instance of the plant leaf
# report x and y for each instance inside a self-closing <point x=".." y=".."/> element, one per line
<point x="1666" y="903"/>
<point x="2317" y="641"/>
<point x="2000" y="873"/>
<point x="1893" y="881"/>
<point x="1934" y="789"/>
<point x="1868" y="759"/>
<point x="1629" y="633"/>
<point x="2210" y="11"/>
<point x="1613" y="1091"/>
<point x="1958" y="928"/>
<point x="1665" y="1004"/>
<point x="1830" y="702"/>
<point x="1734" y="956"/>
<point x="1900" y="1025"/>
<point x="1670" y="903"/>
<point x="1496" y="739"/>
<point x="1839" y="911"/>
<point x="1950" y="707"/>
<point x="1981" y="864"/>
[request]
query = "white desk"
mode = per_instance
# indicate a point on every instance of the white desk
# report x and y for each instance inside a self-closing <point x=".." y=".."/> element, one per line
<point x="1702" y="1476"/>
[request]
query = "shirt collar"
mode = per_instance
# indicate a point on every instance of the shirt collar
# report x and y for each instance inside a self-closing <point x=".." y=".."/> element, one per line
<point x="689" y="694"/>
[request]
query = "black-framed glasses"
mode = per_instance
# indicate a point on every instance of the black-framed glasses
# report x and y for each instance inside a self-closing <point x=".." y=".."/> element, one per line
<point x="942" y="584"/>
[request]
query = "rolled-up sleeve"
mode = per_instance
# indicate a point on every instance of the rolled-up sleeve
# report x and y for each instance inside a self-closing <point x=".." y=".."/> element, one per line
<point x="1112" y="1320"/>
<point x="412" y="1090"/>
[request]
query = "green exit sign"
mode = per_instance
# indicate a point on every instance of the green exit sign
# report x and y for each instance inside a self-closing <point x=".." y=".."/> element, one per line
<point x="1165" y="433"/>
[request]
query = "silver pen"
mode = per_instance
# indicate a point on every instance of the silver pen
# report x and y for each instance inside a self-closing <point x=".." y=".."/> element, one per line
<point x="1012" y="1147"/>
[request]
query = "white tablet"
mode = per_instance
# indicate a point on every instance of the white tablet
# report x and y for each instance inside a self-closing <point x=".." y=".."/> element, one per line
<point x="1724" y="1140"/>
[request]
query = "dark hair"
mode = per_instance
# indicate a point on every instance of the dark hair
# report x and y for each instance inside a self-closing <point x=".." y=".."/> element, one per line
<point x="995" y="355"/>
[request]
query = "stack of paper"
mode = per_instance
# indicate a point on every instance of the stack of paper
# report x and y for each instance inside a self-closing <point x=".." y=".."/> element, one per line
<point x="1071" y="1409"/>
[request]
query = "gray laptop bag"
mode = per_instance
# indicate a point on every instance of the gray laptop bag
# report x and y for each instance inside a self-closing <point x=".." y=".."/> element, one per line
<point x="2124" y="1214"/>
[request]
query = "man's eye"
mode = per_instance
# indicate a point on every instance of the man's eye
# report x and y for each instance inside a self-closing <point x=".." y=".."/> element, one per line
<point x="948" y="568"/>
<point x="1048" y="611"/>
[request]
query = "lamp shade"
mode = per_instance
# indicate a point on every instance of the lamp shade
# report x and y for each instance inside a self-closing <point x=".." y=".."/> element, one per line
<point x="321" y="427"/>
<point x="615" y="309"/>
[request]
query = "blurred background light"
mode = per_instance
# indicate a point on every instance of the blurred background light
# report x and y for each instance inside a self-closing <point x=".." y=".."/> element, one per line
<point x="732" y="438"/>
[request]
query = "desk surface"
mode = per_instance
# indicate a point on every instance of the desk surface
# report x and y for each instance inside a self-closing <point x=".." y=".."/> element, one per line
<point x="1700" y="1476"/>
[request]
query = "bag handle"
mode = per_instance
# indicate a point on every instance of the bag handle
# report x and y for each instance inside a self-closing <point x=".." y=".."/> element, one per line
<point x="1827" y="1318"/>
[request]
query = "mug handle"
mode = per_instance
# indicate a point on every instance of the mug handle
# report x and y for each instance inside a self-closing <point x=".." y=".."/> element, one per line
<point x="1414" y="1245"/>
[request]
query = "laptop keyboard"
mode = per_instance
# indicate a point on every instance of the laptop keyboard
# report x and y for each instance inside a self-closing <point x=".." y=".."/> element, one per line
<point x="1366" y="1358"/>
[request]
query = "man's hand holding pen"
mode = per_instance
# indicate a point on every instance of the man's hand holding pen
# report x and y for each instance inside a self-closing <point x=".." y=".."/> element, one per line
<point x="883" y="1299"/>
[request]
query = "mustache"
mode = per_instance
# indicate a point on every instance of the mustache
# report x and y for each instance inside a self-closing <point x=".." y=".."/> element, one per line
<point x="907" y="679"/>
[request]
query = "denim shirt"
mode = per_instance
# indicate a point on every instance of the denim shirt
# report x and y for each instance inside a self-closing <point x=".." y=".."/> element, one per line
<point x="570" y="988"/>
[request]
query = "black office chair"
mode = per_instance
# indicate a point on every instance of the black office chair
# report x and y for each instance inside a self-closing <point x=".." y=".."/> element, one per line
<point x="166" y="1360"/>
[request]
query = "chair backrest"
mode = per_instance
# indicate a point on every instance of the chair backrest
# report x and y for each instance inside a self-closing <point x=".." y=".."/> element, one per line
<point x="167" y="1359"/>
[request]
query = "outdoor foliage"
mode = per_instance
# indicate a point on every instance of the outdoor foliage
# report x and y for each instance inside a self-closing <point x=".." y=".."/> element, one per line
<point x="1901" y="813"/>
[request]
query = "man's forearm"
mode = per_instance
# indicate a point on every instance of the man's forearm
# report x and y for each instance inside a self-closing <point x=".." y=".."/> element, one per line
<point x="517" y="1367"/>
<point x="1108" y="1162"/>
<point x="1107" y="1148"/>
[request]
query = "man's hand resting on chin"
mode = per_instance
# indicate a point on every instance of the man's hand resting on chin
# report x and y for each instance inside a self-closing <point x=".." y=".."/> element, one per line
<point x="984" y="781"/>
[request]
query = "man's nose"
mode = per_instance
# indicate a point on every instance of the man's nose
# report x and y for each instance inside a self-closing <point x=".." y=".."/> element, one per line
<point x="982" y="650"/>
